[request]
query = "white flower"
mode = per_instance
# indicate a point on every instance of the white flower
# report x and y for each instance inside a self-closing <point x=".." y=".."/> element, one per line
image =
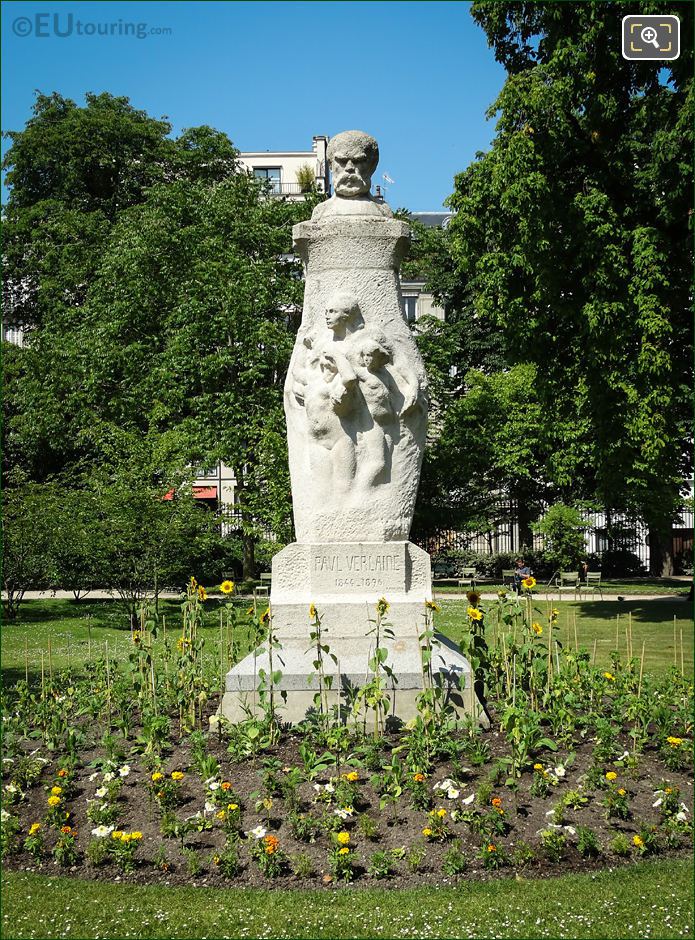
<point x="469" y="799"/>
<point x="209" y="807"/>
<point x="329" y="788"/>
<point x="572" y="831"/>
<point x="318" y="787"/>
<point x="553" y="826"/>
<point x="12" y="788"/>
<point x="344" y="813"/>
<point x="444" y="785"/>
<point x="452" y="794"/>
<point x="94" y="776"/>
<point x="624" y="755"/>
<point x="4" y="815"/>
<point x="551" y="812"/>
<point x="101" y="792"/>
<point x="213" y="721"/>
<point x="684" y="808"/>
<point x="658" y="802"/>
<point x="213" y="785"/>
<point x="560" y="770"/>
<point x="124" y="771"/>
<point x="681" y="817"/>
<point x="257" y="833"/>
<point x="108" y="777"/>
<point x="102" y="831"/>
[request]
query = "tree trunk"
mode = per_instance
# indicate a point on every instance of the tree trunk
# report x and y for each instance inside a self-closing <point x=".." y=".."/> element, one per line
<point x="660" y="548"/>
<point x="249" y="557"/>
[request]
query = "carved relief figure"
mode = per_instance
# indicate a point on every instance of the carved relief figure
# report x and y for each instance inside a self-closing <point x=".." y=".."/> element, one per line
<point x="329" y="399"/>
<point x="380" y="397"/>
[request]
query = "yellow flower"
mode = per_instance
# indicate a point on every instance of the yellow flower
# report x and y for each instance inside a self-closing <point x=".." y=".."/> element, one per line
<point x="382" y="606"/>
<point x="609" y="676"/>
<point x="313" y="613"/>
<point x="433" y="605"/>
<point x="182" y="643"/>
<point x="474" y="613"/>
<point x="491" y="848"/>
<point x="136" y="637"/>
<point x="352" y="776"/>
<point x="157" y="776"/>
<point x="537" y="628"/>
<point x="116" y="834"/>
<point x="611" y="775"/>
<point x="529" y="583"/>
<point x="202" y="593"/>
<point x="674" y="742"/>
<point x="54" y="801"/>
<point x="221" y="814"/>
<point x="177" y="775"/>
<point x="538" y="766"/>
<point x="621" y="791"/>
<point x="419" y="778"/>
<point x="265" y="616"/>
<point x="441" y="813"/>
<point x="227" y="587"/>
<point x="427" y="831"/>
<point x="343" y="838"/>
<point x="554" y="614"/>
<point x="56" y="791"/>
<point x="636" y="840"/>
<point x="126" y="837"/>
<point x="136" y="835"/>
<point x="343" y="851"/>
<point x="232" y="807"/>
<point x="34" y="828"/>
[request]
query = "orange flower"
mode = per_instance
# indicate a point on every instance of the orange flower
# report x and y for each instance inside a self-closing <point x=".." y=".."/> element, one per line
<point x="271" y="844"/>
<point x="419" y="778"/>
<point x="62" y="772"/>
<point x="66" y="829"/>
<point x="226" y="785"/>
<point x="496" y="801"/>
<point x="491" y="848"/>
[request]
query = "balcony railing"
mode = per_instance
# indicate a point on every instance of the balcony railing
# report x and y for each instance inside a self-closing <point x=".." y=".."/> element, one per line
<point x="289" y="189"/>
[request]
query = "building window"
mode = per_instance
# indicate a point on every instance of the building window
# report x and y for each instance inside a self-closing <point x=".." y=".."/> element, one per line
<point x="410" y="308"/>
<point x="271" y="174"/>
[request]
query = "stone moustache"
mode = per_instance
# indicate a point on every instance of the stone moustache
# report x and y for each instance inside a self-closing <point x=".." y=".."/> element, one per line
<point x="356" y="391"/>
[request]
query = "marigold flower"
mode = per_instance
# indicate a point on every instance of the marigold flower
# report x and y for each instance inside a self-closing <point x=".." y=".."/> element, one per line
<point x="56" y="791"/>
<point x="227" y="587"/>
<point x="537" y="628"/>
<point x="621" y="791"/>
<point x="611" y="775"/>
<point x="638" y="841"/>
<point x="157" y="776"/>
<point x="427" y="831"/>
<point x="609" y="676"/>
<point x="495" y="801"/>
<point x="66" y="829"/>
<point x="137" y="835"/>
<point x="492" y="848"/>
<point x="226" y="785"/>
<point x="343" y="851"/>
<point x="126" y="837"/>
<point x="221" y="815"/>
<point x="34" y="828"/>
<point x="177" y="775"/>
<point x="419" y="778"/>
<point x="343" y="838"/>
<point x="313" y="613"/>
<point x="54" y="801"/>
<point x="117" y="833"/>
<point x="271" y="844"/>
<point x="674" y="742"/>
<point x="538" y="766"/>
<point x="232" y="806"/>
<point x="529" y="583"/>
<point x="441" y="813"/>
<point x="62" y="772"/>
<point x="352" y="776"/>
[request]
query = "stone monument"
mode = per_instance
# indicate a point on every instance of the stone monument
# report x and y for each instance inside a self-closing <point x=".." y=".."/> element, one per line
<point x="356" y="408"/>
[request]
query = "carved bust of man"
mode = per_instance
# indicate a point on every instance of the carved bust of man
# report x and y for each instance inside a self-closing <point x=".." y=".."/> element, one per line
<point x="352" y="156"/>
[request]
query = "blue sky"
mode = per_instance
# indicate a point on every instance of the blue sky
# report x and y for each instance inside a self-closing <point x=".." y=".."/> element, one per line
<point x="417" y="75"/>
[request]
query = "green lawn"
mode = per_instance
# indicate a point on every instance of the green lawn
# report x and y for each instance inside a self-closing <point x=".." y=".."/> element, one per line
<point x="647" y="899"/>
<point x="68" y="626"/>
<point x="611" y="587"/>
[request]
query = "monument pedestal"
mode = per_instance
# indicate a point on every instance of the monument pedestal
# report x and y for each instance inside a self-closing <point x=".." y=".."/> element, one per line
<point x="344" y="581"/>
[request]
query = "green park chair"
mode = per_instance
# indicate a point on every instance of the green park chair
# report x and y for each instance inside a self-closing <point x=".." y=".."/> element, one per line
<point x="592" y="583"/>
<point x="568" y="581"/>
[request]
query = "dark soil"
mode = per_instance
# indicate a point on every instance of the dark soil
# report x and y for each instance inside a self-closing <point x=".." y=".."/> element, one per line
<point x="525" y="816"/>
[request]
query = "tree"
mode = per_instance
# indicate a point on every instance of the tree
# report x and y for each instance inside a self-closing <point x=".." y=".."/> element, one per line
<point x="571" y="235"/>
<point x="29" y="512"/>
<point x="562" y="528"/>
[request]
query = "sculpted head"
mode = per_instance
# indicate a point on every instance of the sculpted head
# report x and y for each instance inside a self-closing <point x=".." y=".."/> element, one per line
<point x="353" y="156"/>
<point x="372" y="354"/>
<point x="342" y="310"/>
